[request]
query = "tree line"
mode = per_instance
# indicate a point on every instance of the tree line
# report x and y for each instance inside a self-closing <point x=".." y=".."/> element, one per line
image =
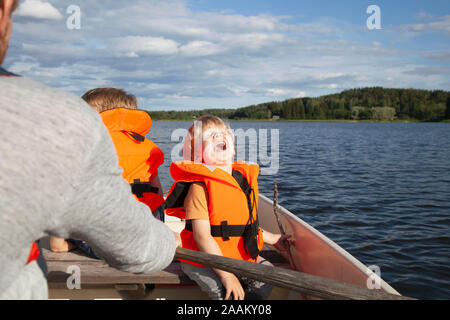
<point x="376" y="103"/>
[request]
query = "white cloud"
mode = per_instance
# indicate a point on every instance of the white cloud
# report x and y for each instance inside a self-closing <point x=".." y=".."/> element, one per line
<point x="276" y="92"/>
<point x="200" y="48"/>
<point x="301" y="94"/>
<point x="239" y="91"/>
<point x="134" y="46"/>
<point x="314" y="29"/>
<point x="424" y="15"/>
<point x="283" y="93"/>
<point x="438" y="55"/>
<point x="442" y="24"/>
<point x="253" y="41"/>
<point x="237" y="22"/>
<point x="171" y="56"/>
<point x="38" y="10"/>
<point x="428" y="71"/>
<point x="328" y="75"/>
<point x="177" y="96"/>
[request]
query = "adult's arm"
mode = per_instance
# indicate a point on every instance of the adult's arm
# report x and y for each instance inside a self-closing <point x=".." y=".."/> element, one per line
<point x="59" y="175"/>
<point x="103" y="212"/>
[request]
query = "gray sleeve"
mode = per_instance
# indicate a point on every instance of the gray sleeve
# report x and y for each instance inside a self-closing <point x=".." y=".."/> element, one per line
<point x="103" y="211"/>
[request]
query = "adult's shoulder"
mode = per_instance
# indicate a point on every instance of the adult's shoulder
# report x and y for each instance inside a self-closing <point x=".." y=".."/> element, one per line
<point x="52" y="121"/>
<point x="31" y="99"/>
<point x="21" y="88"/>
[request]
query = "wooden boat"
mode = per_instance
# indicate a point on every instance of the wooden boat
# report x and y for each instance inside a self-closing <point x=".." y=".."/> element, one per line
<point x="312" y="253"/>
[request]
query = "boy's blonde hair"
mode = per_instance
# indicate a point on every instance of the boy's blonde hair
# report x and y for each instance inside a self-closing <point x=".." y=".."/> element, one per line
<point x="102" y="99"/>
<point x="207" y="122"/>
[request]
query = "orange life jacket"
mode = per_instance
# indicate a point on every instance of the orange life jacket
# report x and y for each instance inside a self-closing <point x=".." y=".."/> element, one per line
<point x="232" y="212"/>
<point x="139" y="157"/>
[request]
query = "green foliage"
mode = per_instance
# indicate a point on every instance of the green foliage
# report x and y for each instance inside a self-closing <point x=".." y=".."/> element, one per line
<point x="375" y="103"/>
<point x="383" y="113"/>
<point x="447" y="111"/>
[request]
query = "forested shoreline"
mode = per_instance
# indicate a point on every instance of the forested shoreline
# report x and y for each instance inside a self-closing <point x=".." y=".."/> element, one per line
<point x="376" y="103"/>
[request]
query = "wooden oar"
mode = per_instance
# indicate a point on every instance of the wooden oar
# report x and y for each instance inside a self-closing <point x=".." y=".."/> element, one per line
<point x="298" y="281"/>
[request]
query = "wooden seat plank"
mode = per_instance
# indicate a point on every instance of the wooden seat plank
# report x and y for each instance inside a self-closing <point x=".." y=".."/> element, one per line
<point x="95" y="271"/>
<point x="98" y="272"/>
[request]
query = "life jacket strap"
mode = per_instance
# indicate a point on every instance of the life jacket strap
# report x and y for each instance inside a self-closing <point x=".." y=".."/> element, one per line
<point x="139" y="188"/>
<point x="226" y="230"/>
<point x="135" y="136"/>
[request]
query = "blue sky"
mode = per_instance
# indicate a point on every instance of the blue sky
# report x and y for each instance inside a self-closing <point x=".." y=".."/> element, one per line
<point x="394" y="12"/>
<point x="181" y="54"/>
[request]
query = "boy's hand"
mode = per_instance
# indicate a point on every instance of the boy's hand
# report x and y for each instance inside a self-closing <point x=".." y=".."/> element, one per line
<point x="282" y="243"/>
<point x="206" y="243"/>
<point x="232" y="285"/>
<point x="279" y="241"/>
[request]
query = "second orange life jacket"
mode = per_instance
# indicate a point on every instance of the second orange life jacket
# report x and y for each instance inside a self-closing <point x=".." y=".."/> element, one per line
<point x="139" y="157"/>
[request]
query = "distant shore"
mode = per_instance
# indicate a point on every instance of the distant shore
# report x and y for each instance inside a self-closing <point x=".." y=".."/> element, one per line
<point x="372" y="104"/>
<point x="329" y="120"/>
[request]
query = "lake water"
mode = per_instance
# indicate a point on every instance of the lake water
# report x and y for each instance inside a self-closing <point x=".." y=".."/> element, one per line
<point x="379" y="190"/>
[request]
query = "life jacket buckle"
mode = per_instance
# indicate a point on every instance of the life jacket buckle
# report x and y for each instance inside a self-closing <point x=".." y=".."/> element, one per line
<point x="139" y="188"/>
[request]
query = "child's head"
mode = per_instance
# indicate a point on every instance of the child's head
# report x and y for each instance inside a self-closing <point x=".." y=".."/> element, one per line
<point x="102" y="99"/>
<point x="210" y="141"/>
